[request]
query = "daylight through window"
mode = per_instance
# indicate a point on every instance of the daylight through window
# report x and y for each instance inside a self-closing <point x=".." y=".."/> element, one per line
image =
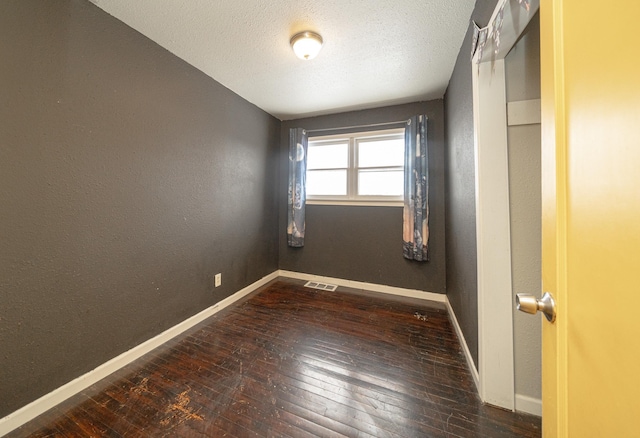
<point x="356" y="168"/>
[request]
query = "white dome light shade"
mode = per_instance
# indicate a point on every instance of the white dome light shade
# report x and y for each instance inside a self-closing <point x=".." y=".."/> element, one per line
<point x="306" y="45"/>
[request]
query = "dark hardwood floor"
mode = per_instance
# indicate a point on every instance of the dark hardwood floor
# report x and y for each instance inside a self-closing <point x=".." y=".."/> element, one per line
<point x="289" y="361"/>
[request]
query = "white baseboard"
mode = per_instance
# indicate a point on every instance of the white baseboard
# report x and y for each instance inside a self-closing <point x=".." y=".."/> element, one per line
<point x="47" y="401"/>
<point x="392" y="290"/>
<point x="529" y="405"/>
<point x="523" y="403"/>
<point x="465" y="348"/>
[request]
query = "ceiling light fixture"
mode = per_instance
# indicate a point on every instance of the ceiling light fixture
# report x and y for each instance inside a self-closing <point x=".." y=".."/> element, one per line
<point x="306" y="45"/>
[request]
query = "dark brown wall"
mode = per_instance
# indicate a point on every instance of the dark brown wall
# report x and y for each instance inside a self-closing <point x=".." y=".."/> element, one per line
<point x="365" y="243"/>
<point x="127" y="180"/>
<point x="462" y="284"/>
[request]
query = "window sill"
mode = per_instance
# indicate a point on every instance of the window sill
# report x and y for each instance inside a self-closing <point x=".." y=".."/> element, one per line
<point x="355" y="203"/>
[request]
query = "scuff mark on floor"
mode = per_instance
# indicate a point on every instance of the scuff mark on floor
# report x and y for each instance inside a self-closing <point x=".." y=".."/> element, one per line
<point x="420" y="316"/>
<point x="142" y="387"/>
<point x="180" y="411"/>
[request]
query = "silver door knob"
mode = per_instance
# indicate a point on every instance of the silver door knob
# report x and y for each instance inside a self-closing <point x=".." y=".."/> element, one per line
<point x="530" y="304"/>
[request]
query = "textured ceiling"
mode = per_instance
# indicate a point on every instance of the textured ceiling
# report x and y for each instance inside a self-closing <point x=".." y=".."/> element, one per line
<point x="375" y="52"/>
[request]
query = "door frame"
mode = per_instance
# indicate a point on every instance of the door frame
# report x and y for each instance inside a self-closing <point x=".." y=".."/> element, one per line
<point x="496" y="368"/>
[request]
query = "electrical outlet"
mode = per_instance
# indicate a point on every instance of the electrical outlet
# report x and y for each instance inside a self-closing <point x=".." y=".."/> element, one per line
<point x="218" y="280"/>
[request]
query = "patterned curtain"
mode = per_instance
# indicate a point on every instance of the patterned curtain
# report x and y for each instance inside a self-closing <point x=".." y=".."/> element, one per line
<point x="297" y="186"/>
<point x="416" y="190"/>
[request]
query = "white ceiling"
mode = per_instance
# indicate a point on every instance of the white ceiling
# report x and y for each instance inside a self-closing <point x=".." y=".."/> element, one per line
<point x="375" y="53"/>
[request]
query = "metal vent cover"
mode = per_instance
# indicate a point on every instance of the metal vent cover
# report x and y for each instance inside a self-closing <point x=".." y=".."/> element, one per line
<point x="322" y="286"/>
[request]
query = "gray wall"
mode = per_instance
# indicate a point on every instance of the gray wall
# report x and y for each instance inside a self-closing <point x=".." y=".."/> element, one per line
<point x="365" y="243"/>
<point x="522" y="71"/>
<point x="127" y="180"/>
<point x="462" y="285"/>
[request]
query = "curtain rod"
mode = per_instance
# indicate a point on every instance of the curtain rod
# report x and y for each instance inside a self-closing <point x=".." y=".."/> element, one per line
<point x="373" y="125"/>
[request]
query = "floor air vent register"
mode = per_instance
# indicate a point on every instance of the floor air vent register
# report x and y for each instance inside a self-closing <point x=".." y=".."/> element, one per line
<point x="322" y="286"/>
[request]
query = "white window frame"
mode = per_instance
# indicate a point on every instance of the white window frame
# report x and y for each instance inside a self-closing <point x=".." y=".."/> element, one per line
<point x="352" y="170"/>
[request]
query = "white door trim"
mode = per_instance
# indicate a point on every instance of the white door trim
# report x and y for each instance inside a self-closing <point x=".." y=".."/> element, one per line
<point x="495" y="307"/>
<point x="495" y="319"/>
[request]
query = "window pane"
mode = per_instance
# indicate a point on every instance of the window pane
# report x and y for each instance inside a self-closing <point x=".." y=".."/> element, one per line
<point x="381" y="182"/>
<point x="379" y="153"/>
<point x="326" y="182"/>
<point x="329" y="156"/>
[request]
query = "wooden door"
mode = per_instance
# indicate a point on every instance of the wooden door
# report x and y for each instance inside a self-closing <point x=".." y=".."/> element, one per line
<point x="591" y="216"/>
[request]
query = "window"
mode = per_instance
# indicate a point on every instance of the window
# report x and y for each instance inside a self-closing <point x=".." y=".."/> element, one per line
<point x="358" y="168"/>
